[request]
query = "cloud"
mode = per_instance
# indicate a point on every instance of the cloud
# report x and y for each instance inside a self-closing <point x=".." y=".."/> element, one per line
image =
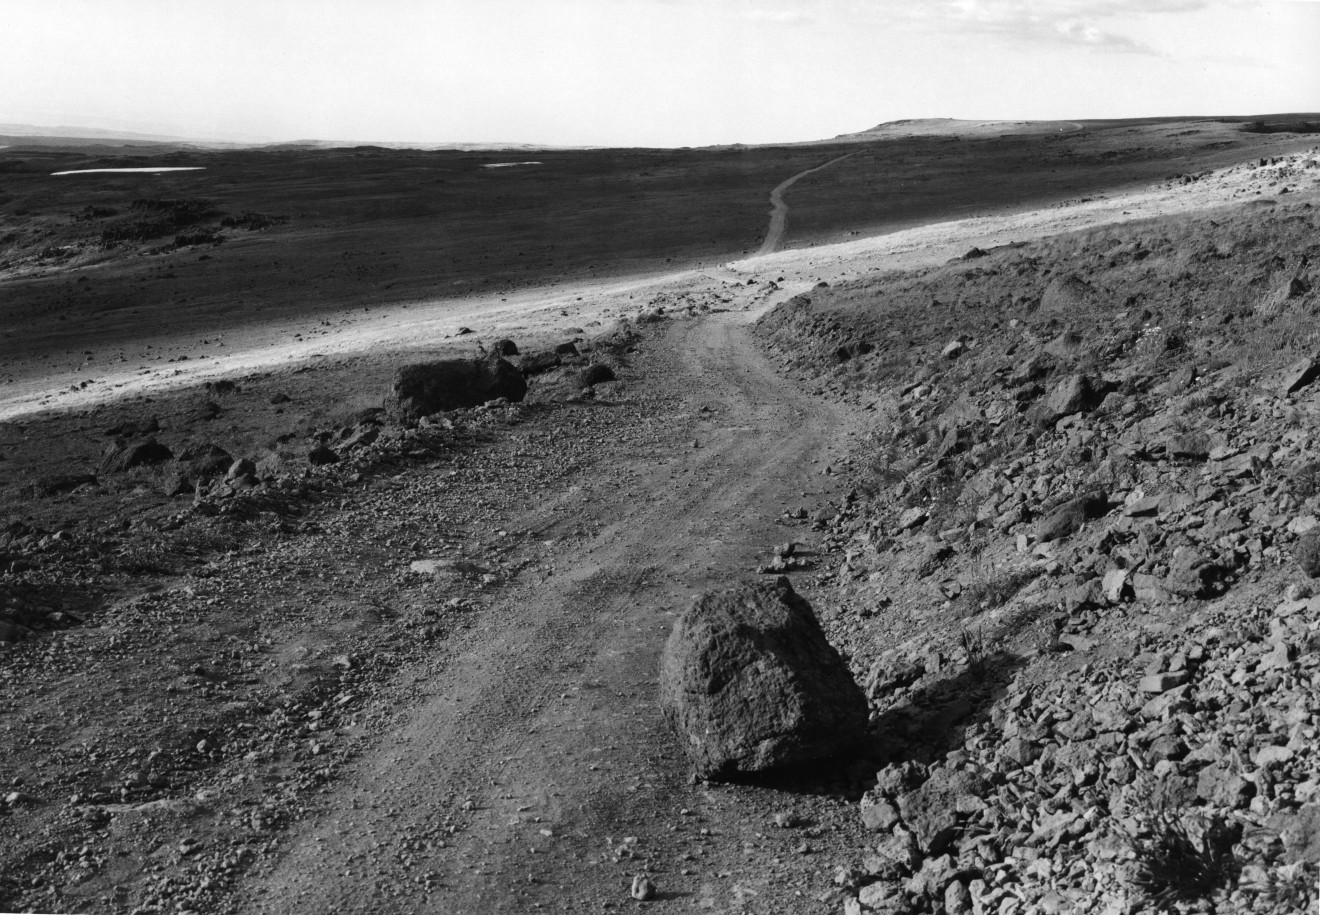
<point x="1077" y="23"/>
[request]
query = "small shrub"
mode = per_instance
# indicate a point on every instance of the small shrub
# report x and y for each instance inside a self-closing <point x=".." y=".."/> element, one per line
<point x="1306" y="480"/>
<point x="973" y="646"/>
<point x="1171" y="865"/>
<point x="989" y="592"/>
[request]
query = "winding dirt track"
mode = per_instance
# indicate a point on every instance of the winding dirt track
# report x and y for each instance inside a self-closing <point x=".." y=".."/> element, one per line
<point x="779" y="209"/>
<point x="539" y="731"/>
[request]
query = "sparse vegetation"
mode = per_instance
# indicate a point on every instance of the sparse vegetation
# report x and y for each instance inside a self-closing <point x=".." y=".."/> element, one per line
<point x="972" y="643"/>
<point x="1282" y="127"/>
<point x="1173" y="863"/>
<point x="996" y="589"/>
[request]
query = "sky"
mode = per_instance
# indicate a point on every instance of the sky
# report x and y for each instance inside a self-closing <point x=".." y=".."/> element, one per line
<point x="640" y="72"/>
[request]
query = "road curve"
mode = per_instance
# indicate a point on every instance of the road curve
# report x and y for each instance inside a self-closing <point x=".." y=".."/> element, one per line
<point x="539" y="734"/>
<point x="779" y="211"/>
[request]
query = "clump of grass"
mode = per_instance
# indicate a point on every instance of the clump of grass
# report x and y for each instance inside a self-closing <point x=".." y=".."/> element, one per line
<point x="973" y="646"/>
<point x="1306" y="480"/>
<point x="1172" y="864"/>
<point x="995" y="590"/>
<point x="1289" y="888"/>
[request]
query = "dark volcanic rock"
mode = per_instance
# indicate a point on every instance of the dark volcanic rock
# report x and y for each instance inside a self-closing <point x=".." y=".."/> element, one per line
<point x="132" y="429"/>
<point x="321" y="455"/>
<point x="1300" y="375"/>
<point x="1071" y="515"/>
<point x="1073" y="394"/>
<point x="62" y="483"/>
<point x="750" y="683"/>
<point x="208" y="460"/>
<point x="1307" y="552"/>
<point x="536" y="363"/>
<point x="126" y="457"/>
<point x="177" y="483"/>
<point x="595" y="374"/>
<point x="566" y="349"/>
<point x="504" y="348"/>
<point x="452" y="384"/>
<point x="1069" y="294"/>
<point x="932" y="810"/>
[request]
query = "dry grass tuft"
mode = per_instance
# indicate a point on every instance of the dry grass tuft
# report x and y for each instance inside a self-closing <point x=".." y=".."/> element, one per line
<point x="1174" y="864"/>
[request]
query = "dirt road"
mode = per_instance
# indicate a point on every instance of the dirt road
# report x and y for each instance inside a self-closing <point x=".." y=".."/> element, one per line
<point x="537" y="736"/>
<point x="779" y="209"/>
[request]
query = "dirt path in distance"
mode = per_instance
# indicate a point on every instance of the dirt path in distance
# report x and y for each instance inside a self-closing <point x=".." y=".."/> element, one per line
<point x="536" y="769"/>
<point x="779" y="212"/>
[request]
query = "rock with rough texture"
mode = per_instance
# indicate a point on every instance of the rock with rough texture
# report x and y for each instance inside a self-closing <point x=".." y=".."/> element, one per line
<point x="537" y="363"/>
<point x="931" y="811"/>
<point x="207" y="460"/>
<point x="596" y="373"/>
<point x="1299" y="375"/>
<point x="1307" y="552"/>
<point x="322" y="455"/>
<point x="126" y="457"/>
<point x="504" y="347"/>
<point x="750" y="683"/>
<point x="425" y="388"/>
<point x="1070" y="516"/>
<point x="1069" y="294"/>
<point x="1073" y="394"/>
<point x="62" y="483"/>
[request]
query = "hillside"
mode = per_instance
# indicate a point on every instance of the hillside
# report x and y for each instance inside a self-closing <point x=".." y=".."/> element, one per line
<point x="1078" y="558"/>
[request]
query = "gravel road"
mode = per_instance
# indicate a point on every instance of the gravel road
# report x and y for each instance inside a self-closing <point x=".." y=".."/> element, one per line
<point x="541" y="726"/>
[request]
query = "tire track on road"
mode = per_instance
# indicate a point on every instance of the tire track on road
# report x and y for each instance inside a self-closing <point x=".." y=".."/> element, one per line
<point x="779" y="213"/>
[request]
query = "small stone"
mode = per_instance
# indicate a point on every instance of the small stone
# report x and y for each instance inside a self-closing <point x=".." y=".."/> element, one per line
<point x="321" y="455"/>
<point x="787" y="820"/>
<point x="642" y="888"/>
<point x="1299" y="375"/>
<point x="933" y="877"/>
<point x="895" y="858"/>
<point x="878" y="896"/>
<point x="1307" y="553"/>
<point x="1019" y="751"/>
<point x="1174" y="700"/>
<point x="879" y="815"/>
<point x="1114" y="584"/>
<point x="957" y="900"/>
<point x="1162" y="683"/>
<point x="1272" y="756"/>
<point x="1302" y="524"/>
<point x="932" y="810"/>
<point x="895" y="779"/>
<point x="912" y="518"/>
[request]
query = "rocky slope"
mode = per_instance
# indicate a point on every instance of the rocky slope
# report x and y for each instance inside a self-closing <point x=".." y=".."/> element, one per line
<point x="1076" y="562"/>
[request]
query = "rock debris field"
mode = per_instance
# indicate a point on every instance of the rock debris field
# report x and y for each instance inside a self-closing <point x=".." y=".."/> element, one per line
<point x="338" y="636"/>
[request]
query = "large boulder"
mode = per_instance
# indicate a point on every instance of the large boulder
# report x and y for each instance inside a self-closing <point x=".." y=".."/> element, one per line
<point x="539" y="362"/>
<point x="123" y="456"/>
<point x="452" y="384"/>
<point x="1070" y="295"/>
<point x="750" y="683"/>
<point x="1068" y="518"/>
<point x="1072" y="394"/>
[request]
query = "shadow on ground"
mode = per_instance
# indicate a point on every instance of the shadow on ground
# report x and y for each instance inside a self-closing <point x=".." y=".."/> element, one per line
<point x="935" y="719"/>
<point x="928" y="724"/>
